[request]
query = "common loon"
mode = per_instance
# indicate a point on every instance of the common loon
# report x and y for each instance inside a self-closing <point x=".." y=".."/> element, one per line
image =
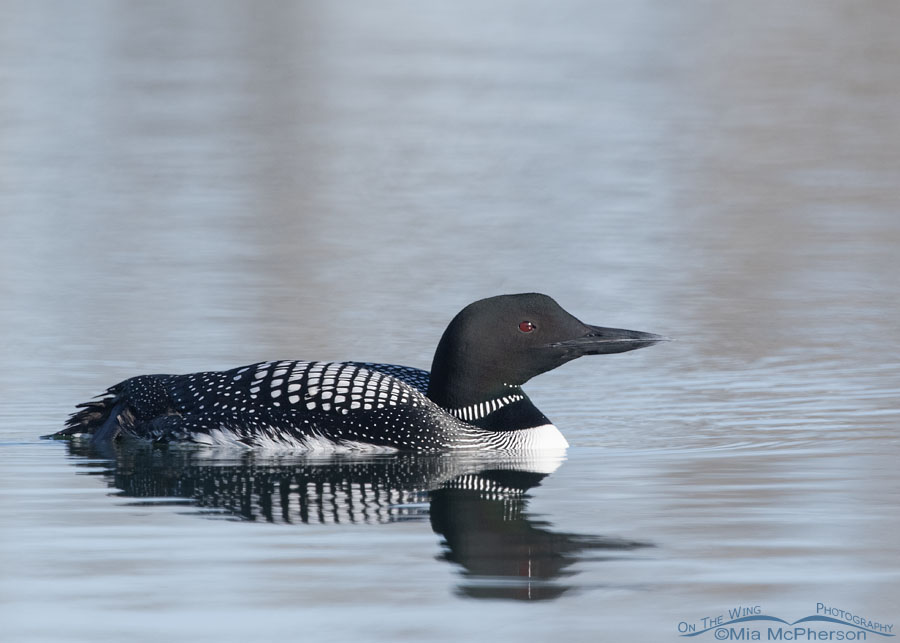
<point x="471" y="399"/>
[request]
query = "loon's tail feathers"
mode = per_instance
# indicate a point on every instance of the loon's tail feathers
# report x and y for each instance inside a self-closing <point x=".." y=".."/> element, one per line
<point x="102" y="419"/>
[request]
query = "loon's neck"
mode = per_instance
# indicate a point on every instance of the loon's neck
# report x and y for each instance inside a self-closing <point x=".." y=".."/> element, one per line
<point x="504" y="408"/>
<point x="513" y="416"/>
<point x="478" y="390"/>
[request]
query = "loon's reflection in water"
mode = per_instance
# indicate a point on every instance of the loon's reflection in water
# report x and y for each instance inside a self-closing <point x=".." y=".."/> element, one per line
<point x="477" y="503"/>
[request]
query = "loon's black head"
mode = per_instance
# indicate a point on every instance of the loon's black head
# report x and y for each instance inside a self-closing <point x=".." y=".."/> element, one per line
<point x="504" y="341"/>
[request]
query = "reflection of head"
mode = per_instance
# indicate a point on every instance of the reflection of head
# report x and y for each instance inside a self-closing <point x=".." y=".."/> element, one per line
<point x="504" y="552"/>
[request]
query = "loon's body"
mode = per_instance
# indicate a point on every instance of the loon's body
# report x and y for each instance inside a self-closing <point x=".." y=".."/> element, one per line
<point x="471" y="399"/>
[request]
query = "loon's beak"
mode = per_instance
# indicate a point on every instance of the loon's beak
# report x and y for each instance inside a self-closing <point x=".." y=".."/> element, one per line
<point x="600" y="341"/>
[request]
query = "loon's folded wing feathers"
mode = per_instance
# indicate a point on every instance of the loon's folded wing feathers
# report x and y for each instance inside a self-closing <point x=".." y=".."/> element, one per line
<point x="282" y="403"/>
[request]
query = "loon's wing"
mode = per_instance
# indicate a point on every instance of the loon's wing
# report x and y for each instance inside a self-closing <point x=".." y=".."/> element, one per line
<point x="283" y="404"/>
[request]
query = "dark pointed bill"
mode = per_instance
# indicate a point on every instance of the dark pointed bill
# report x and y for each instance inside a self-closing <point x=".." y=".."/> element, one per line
<point x="600" y="341"/>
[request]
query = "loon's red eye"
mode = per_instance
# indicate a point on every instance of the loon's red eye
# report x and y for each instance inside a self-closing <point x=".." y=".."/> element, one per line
<point x="526" y="326"/>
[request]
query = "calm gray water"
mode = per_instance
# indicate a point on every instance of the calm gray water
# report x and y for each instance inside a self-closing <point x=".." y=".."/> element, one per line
<point x="192" y="186"/>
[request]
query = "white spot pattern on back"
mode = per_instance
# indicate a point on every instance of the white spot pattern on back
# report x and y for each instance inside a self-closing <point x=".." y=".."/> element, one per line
<point x="340" y="386"/>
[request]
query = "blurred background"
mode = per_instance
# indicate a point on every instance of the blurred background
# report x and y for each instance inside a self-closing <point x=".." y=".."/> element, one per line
<point x="195" y="185"/>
